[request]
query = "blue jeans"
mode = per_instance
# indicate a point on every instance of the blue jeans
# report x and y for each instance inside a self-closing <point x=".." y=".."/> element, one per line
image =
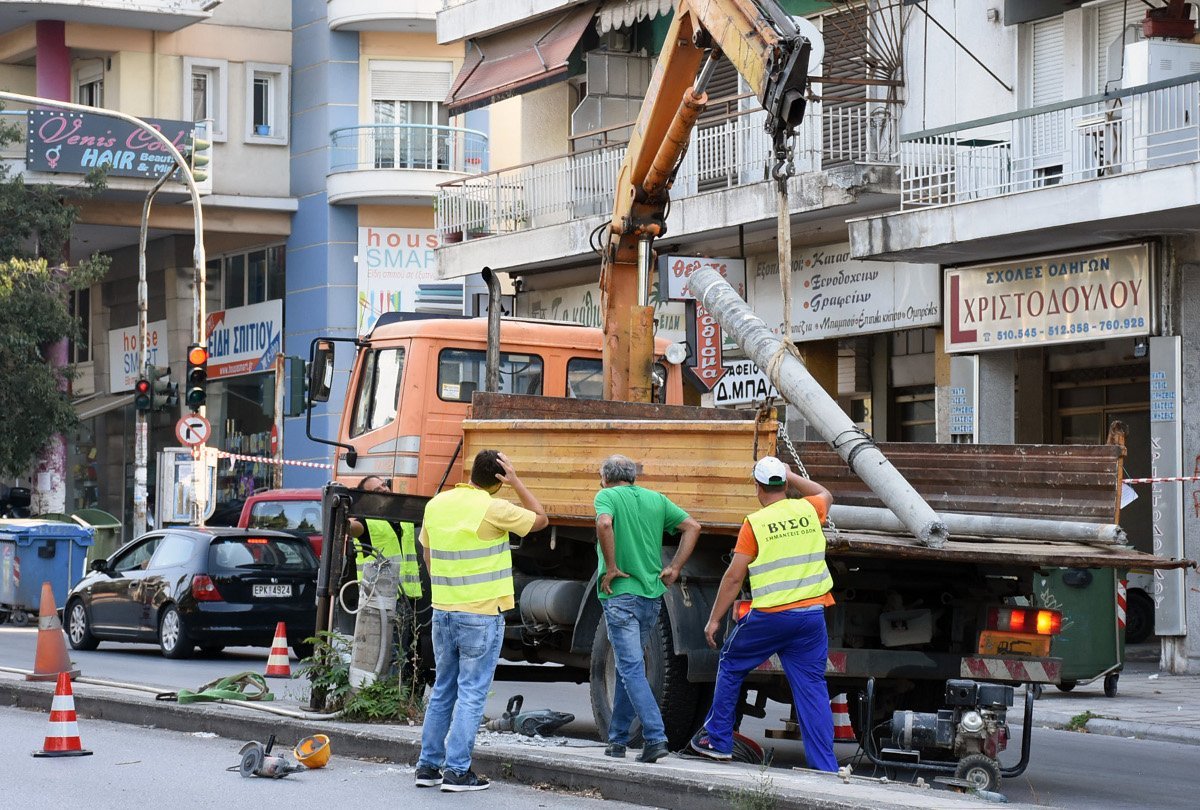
<point x="630" y="620"/>
<point x="466" y="647"/>
<point x="801" y="641"/>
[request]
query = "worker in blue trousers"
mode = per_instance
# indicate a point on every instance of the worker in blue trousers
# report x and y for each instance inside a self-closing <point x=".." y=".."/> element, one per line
<point x="782" y="548"/>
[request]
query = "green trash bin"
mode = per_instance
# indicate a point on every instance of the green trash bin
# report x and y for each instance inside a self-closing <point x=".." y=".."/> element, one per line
<point x="1092" y="642"/>
<point x="108" y="532"/>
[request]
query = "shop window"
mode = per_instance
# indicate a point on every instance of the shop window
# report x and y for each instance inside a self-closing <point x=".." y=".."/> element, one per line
<point x="206" y="94"/>
<point x="915" y="416"/>
<point x="461" y="372"/>
<point x="266" y="103"/>
<point x="585" y="378"/>
<point x="378" y="397"/>
<point x="79" y="350"/>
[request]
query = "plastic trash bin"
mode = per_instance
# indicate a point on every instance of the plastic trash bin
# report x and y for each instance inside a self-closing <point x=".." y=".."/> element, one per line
<point x="108" y="531"/>
<point x="34" y="551"/>
<point x="1092" y="642"/>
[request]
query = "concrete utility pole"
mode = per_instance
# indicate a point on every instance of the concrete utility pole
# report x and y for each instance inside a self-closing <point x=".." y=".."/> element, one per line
<point x="198" y="261"/>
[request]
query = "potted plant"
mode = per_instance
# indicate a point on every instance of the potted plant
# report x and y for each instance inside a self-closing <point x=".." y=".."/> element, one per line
<point x="447" y="236"/>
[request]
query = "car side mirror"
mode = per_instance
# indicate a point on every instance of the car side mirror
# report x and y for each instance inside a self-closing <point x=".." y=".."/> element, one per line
<point x="99" y="565"/>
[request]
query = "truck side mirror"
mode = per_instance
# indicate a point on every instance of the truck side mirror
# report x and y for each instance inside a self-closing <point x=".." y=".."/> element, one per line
<point x="320" y="380"/>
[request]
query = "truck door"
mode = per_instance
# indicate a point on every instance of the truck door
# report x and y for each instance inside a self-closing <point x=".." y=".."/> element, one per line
<point x="373" y="420"/>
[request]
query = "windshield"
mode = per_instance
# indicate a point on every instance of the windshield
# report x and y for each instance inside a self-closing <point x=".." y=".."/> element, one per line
<point x="286" y="554"/>
<point x="300" y="516"/>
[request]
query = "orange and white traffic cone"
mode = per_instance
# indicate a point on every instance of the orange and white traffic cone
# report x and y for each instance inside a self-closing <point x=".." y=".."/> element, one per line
<point x="51" y="657"/>
<point x="62" y="740"/>
<point x="842" y="730"/>
<point x="277" y="663"/>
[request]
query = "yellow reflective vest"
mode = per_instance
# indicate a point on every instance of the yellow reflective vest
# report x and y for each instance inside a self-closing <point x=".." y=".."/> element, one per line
<point x="385" y="541"/>
<point x="462" y="567"/>
<point x="790" y="565"/>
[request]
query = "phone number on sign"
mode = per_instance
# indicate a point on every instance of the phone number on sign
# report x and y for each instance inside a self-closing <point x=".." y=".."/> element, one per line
<point x="1073" y="329"/>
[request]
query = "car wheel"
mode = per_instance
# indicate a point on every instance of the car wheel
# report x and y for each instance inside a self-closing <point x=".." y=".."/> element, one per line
<point x="79" y="630"/>
<point x="302" y="649"/>
<point x="173" y="636"/>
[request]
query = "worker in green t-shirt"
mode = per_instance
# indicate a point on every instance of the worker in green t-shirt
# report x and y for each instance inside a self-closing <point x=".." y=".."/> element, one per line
<point x="630" y="524"/>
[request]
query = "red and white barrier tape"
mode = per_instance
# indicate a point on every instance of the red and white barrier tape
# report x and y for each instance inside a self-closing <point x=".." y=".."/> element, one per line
<point x="269" y="460"/>
<point x="1167" y="480"/>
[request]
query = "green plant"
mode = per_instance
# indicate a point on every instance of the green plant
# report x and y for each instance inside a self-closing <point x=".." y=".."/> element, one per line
<point x="1079" y="722"/>
<point x="328" y="669"/>
<point x="761" y="795"/>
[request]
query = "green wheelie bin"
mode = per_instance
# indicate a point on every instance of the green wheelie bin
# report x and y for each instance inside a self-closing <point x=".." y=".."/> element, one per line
<point x="1092" y="642"/>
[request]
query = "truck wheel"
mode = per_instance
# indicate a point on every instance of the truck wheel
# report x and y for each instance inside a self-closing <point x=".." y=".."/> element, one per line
<point x="679" y="700"/>
<point x="1139" y="617"/>
<point x="980" y="770"/>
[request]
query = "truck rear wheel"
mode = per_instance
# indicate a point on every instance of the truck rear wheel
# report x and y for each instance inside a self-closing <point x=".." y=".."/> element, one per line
<point x="679" y="700"/>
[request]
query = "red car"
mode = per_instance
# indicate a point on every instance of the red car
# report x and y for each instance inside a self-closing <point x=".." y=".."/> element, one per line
<point x="287" y="510"/>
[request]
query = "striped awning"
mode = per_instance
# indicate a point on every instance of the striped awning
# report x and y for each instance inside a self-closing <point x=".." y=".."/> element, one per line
<point x="624" y="13"/>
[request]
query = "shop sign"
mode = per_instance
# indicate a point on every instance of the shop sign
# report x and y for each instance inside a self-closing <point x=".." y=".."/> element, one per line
<point x="1166" y="499"/>
<point x="582" y="305"/>
<point x="244" y="340"/>
<point x="1066" y="298"/>
<point x="744" y="382"/>
<point x="398" y="272"/>
<point x="123" y="370"/>
<point x="964" y="396"/>
<point x="705" y="364"/>
<point x="77" y="143"/>
<point x="675" y="271"/>
<point x="834" y="295"/>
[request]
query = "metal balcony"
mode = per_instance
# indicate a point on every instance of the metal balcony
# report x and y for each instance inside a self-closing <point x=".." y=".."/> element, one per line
<point x="400" y="164"/>
<point x="382" y="15"/>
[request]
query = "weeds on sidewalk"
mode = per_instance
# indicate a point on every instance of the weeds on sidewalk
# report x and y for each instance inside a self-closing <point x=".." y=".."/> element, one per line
<point x="761" y="795"/>
<point x="388" y="699"/>
<point x="1079" y="722"/>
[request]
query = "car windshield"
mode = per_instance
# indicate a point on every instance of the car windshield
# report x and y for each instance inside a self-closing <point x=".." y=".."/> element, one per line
<point x="300" y="516"/>
<point x="234" y="554"/>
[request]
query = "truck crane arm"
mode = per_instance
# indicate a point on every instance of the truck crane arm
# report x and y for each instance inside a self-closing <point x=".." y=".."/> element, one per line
<point x="762" y="42"/>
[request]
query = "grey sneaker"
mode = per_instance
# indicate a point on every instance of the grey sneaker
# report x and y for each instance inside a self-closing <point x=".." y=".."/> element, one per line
<point x="460" y="783"/>
<point x="615" y="750"/>
<point x="428" y="776"/>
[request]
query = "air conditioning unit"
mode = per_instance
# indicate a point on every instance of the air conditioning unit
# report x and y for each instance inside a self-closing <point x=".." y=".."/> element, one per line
<point x="1153" y="60"/>
<point x="1160" y="125"/>
<point x="616" y="41"/>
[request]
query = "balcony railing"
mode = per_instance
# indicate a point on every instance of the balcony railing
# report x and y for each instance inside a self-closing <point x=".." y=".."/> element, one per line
<point x="407" y="146"/>
<point x="733" y="151"/>
<point x="1147" y="127"/>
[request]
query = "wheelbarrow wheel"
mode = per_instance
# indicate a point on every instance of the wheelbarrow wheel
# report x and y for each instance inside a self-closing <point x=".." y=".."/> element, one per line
<point x="1110" y="684"/>
<point x="980" y="770"/>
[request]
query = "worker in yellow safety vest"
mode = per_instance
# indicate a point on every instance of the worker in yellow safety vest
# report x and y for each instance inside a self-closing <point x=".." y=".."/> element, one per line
<point x="465" y="540"/>
<point x="782" y="548"/>
<point x="389" y="540"/>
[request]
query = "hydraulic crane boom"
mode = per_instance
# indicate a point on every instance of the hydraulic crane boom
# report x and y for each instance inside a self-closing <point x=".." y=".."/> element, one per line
<point x="763" y="44"/>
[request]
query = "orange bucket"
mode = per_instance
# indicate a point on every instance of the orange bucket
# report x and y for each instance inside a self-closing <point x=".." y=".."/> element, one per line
<point x="312" y="752"/>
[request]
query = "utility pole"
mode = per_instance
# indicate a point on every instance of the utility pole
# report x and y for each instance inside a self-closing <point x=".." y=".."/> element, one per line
<point x="198" y="269"/>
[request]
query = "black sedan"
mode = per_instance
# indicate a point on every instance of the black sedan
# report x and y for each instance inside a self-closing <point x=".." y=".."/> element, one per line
<point x="186" y="587"/>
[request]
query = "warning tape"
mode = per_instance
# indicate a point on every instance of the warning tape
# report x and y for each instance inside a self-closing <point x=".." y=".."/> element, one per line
<point x="1180" y="478"/>
<point x="269" y="460"/>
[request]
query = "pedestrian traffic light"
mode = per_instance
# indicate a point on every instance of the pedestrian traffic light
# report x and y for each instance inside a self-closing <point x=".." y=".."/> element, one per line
<point x="199" y="153"/>
<point x="295" y="372"/>
<point x="164" y="392"/>
<point x="197" y="376"/>
<point x="142" y="399"/>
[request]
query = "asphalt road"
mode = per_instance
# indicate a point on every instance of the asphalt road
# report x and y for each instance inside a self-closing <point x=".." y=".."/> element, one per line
<point x="130" y="764"/>
<point x="1067" y="769"/>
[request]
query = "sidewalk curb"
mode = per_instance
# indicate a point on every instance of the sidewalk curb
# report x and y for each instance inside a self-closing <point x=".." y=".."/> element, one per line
<point x="1108" y="727"/>
<point x="665" y="787"/>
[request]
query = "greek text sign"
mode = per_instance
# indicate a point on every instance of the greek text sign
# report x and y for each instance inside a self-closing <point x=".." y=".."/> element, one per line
<point x="123" y="369"/>
<point x="398" y="272"/>
<point x="836" y="296"/>
<point x="581" y="305"/>
<point x="964" y="396"/>
<point x="76" y="143"/>
<point x="1067" y="298"/>
<point x="244" y="340"/>
<point x="1166" y="499"/>
<point x="676" y="270"/>
<point x="744" y="382"/>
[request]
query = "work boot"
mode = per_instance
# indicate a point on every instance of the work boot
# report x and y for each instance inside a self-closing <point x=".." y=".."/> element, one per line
<point x="428" y="776"/>
<point x="460" y="783"/>
<point x="653" y="752"/>
<point x="615" y="750"/>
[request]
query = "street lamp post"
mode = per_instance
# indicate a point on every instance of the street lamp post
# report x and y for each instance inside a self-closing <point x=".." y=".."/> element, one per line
<point x="198" y="278"/>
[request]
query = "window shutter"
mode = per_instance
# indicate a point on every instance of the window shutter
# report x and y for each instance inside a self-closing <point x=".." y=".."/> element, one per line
<point x="410" y="81"/>
<point x="1111" y="20"/>
<point x="1046" y="86"/>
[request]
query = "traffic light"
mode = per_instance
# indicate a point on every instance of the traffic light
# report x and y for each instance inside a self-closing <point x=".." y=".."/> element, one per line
<point x="142" y="399"/>
<point x="164" y="392"/>
<point x="197" y="376"/>
<point x="199" y="152"/>
<point x="295" y="374"/>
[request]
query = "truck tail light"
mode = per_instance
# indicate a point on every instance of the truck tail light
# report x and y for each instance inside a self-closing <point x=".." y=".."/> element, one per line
<point x="204" y="589"/>
<point x="1025" y="620"/>
<point x="740" y="608"/>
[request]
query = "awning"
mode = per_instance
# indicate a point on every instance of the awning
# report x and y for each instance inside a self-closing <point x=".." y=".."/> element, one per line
<point x="624" y="13"/>
<point x="518" y="60"/>
<point x="1019" y="11"/>
<point x="87" y="407"/>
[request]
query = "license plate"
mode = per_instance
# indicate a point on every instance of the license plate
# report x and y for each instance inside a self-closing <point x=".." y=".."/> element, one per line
<point x="272" y="590"/>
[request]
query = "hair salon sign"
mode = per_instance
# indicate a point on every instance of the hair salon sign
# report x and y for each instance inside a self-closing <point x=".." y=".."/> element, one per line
<point x="77" y="143"/>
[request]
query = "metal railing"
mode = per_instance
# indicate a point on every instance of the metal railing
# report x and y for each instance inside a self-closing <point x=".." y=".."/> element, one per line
<point x="1147" y="127"/>
<point x="407" y="146"/>
<point x="732" y="151"/>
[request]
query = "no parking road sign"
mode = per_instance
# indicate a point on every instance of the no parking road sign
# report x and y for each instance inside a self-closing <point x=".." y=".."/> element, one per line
<point x="193" y="430"/>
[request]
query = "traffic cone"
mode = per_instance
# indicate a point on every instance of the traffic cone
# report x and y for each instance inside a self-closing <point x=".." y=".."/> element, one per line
<point x="51" y="657"/>
<point x="842" y="730"/>
<point x="277" y="663"/>
<point x="62" y="740"/>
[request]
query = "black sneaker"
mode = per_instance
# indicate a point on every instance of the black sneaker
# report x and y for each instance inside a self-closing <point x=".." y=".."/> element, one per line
<point x="428" y="776"/>
<point x="703" y="746"/>
<point x="653" y="752"/>
<point x="615" y="750"/>
<point x="460" y="783"/>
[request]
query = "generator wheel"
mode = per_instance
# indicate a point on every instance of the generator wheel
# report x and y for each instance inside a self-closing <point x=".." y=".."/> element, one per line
<point x="980" y="770"/>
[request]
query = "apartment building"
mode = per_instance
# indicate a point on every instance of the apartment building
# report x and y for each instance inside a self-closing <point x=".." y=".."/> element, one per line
<point x="175" y="62"/>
